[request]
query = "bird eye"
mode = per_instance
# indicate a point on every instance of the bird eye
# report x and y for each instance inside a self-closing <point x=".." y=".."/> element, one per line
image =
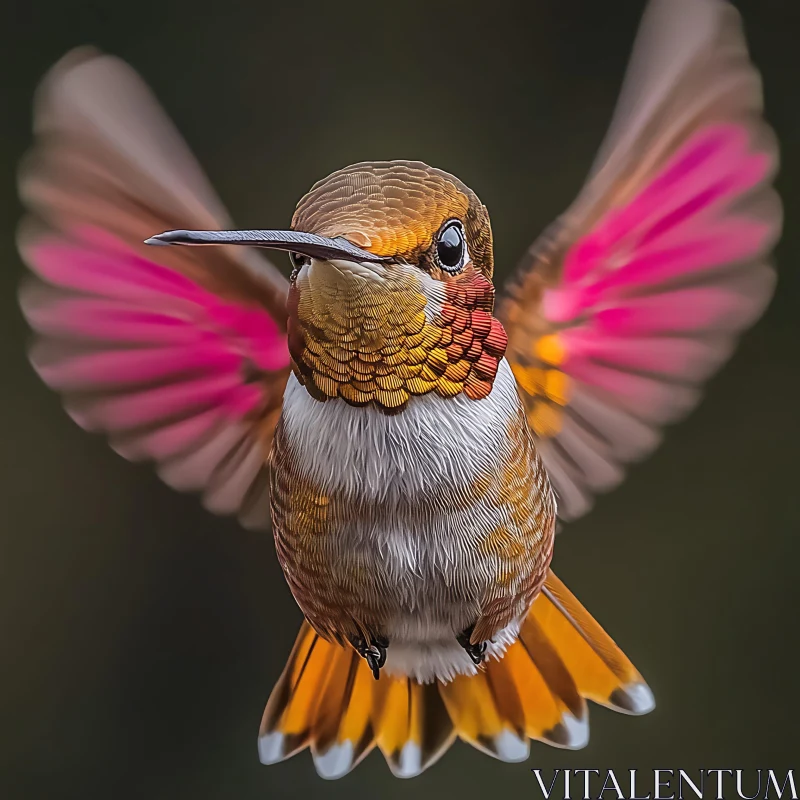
<point x="451" y="248"/>
<point x="298" y="262"/>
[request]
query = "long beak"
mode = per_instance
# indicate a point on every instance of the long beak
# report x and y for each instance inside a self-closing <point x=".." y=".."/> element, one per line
<point x="307" y="244"/>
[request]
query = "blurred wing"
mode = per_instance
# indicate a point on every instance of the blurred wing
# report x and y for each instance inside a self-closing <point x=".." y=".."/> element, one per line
<point x="178" y="354"/>
<point x="637" y="294"/>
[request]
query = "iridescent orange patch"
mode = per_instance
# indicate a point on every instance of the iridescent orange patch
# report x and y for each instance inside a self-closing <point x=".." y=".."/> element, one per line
<point x="377" y="345"/>
<point x="546" y="387"/>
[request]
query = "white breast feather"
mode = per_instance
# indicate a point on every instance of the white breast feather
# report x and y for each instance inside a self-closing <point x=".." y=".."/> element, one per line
<point x="435" y="446"/>
<point x="434" y="442"/>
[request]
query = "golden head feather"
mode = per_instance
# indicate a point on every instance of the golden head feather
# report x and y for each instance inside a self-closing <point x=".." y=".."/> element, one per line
<point x="420" y="322"/>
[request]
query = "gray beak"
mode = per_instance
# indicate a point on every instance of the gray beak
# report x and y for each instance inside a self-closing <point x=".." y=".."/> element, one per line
<point x="307" y="244"/>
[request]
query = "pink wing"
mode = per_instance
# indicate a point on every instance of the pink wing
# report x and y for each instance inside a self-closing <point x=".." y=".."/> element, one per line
<point x="178" y="355"/>
<point x="638" y="293"/>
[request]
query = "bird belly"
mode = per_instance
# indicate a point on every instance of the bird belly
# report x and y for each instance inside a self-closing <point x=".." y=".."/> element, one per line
<point x="430" y="580"/>
<point x="414" y="526"/>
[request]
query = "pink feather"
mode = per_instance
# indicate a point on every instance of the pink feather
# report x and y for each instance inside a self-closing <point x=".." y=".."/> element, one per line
<point x="140" y="346"/>
<point x="676" y="229"/>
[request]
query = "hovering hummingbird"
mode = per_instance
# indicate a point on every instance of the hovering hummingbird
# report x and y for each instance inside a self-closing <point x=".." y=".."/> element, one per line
<point x="411" y="442"/>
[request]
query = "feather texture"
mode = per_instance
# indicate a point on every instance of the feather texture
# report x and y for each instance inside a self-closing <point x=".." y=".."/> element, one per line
<point x="177" y="358"/>
<point x="636" y="296"/>
<point x="327" y="697"/>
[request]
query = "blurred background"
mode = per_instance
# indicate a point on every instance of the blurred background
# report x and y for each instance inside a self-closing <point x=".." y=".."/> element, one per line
<point x="140" y="636"/>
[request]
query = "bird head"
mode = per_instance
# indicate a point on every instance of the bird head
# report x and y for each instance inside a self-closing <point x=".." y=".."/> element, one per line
<point x="391" y="293"/>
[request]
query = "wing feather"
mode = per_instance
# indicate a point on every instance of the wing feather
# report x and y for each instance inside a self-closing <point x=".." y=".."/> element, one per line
<point x="638" y="293"/>
<point x="178" y="355"/>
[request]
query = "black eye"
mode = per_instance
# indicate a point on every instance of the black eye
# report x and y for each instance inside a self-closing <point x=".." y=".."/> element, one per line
<point x="451" y="247"/>
<point x="298" y="261"/>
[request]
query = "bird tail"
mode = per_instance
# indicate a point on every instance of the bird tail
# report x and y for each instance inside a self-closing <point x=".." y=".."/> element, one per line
<point x="327" y="699"/>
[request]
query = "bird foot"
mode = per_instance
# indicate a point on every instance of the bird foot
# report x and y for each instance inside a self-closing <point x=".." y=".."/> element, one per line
<point x="373" y="653"/>
<point x="475" y="651"/>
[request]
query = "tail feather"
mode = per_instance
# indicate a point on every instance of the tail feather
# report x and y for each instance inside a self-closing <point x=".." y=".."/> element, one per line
<point x="487" y="714"/>
<point x="601" y="671"/>
<point x="412" y="724"/>
<point x="286" y="726"/>
<point x="555" y="711"/>
<point x="342" y="729"/>
<point x="327" y="698"/>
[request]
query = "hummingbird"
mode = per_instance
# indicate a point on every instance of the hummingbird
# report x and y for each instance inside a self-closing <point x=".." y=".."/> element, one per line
<point x="411" y="440"/>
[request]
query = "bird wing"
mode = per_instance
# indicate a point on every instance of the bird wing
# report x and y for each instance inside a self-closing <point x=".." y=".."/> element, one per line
<point x="179" y="355"/>
<point x="636" y="295"/>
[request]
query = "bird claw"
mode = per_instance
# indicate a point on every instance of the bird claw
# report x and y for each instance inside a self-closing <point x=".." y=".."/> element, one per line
<point x="373" y="653"/>
<point x="475" y="651"/>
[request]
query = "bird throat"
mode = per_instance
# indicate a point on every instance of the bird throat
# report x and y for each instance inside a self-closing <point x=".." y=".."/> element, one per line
<point x="382" y="341"/>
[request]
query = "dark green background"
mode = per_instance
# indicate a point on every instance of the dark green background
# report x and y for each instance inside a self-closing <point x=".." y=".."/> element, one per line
<point x="140" y="636"/>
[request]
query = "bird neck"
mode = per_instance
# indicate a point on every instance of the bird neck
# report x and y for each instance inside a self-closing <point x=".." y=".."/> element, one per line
<point x="382" y="342"/>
